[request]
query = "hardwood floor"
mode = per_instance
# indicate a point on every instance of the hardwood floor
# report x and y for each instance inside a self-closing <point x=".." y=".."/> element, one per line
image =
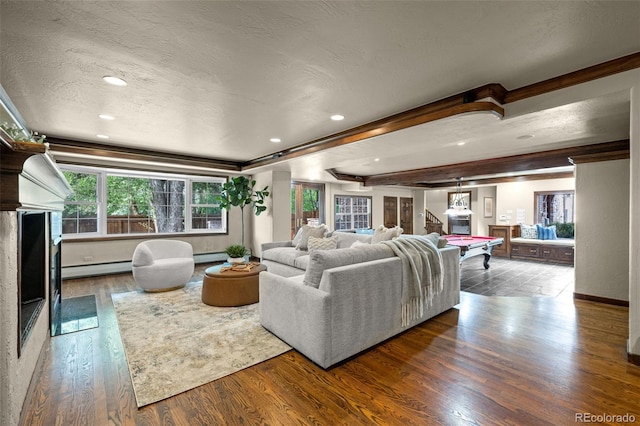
<point x="490" y="360"/>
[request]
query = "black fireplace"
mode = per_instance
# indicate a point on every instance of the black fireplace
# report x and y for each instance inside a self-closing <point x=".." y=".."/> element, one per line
<point x="32" y="232"/>
<point x="55" y="272"/>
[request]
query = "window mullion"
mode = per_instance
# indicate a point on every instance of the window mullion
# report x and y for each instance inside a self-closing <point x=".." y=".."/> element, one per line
<point x="188" y="197"/>
<point x="102" y="203"/>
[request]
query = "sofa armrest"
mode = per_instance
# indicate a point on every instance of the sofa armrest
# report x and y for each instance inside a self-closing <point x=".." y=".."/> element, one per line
<point x="365" y="305"/>
<point x="275" y="244"/>
<point x="296" y="313"/>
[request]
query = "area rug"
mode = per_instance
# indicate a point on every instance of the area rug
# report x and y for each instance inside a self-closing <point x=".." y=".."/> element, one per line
<point x="174" y="342"/>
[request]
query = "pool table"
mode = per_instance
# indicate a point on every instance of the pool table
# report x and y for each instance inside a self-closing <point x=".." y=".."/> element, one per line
<point x="474" y="246"/>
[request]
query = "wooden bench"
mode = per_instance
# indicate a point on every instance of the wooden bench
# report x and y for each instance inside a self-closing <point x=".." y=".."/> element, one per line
<point x="556" y="251"/>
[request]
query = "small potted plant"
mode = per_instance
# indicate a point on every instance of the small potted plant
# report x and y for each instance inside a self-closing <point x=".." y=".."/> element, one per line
<point x="236" y="253"/>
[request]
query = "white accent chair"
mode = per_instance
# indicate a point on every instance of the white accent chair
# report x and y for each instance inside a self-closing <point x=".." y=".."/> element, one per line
<point x="162" y="265"/>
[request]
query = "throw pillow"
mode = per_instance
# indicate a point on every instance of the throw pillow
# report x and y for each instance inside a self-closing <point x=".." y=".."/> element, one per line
<point x="296" y="239"/>
<point x="383" y="234"/>
<point x="310" y="231"/>
<point x="529" y="231"/>
<point x="315" y="243"/>
<point x="547" y="232"/>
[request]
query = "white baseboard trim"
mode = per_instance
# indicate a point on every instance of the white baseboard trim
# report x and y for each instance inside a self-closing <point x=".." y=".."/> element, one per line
<point x="80" y="271"/>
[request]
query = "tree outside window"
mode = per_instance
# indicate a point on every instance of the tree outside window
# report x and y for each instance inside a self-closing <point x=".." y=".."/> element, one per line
<point x="134" y="204"/>
<point x="205" y="212"/>
<point x="556" y="208"/>
<point x="80" y="214"/>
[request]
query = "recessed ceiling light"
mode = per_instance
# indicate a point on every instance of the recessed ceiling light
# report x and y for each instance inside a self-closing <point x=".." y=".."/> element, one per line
<point x="106" y="117"/>
<point x="376" y="159"/>
<point x="524" y="137"/>
<point x="275" y="140"/>
<point x="337" y="117"/>
<point x="116" y="81"/>
<point x="102" y="136"/>
<point x="461" y="143"/>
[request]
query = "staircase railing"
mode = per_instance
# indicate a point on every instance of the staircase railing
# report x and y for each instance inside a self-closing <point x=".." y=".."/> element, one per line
<point x="432" y="223"/>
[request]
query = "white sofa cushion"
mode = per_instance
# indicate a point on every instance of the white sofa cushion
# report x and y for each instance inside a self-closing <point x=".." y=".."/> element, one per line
<point x="565" y="242"/>
<point x="302" y="262"/>
<point x="346" y="239"/>
<point x="327" y="259"/>
<point x="284" y="255"/>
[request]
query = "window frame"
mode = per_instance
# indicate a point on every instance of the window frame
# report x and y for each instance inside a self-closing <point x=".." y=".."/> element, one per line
<point x="566" y="192"/>
<point x="101" y="194"/>
<point x="351" y="197"/>
<point x="189" y="210"/>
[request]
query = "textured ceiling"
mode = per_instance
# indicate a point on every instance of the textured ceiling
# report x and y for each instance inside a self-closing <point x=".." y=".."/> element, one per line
<point x="218" y="79"/>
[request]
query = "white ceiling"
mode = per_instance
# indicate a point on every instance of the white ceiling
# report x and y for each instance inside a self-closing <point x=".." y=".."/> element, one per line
<point x="218" y="79"/>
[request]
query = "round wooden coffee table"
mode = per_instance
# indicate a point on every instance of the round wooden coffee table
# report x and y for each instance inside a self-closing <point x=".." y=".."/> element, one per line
<point x="231" y="288"/>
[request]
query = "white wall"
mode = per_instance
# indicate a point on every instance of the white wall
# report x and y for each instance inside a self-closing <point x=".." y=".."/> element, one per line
<point x="480" y="223"/>
<point x="519" y="195"/>
<point x="507" y="199"/>
<point x="602" y="229"/>
<point x="121" y="250"/>
<point x="419" y="206"/>
<point x="275" y="223"/>
<point x="377" y="195"/>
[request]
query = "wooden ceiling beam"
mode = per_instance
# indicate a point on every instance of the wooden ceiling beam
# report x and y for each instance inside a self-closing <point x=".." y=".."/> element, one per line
<point x="585" y="75"/>
<point x="502" y="179"/>
<point x="462" y="103"/>
<point x="113" y="152"/>
<point x="511" y="164"/>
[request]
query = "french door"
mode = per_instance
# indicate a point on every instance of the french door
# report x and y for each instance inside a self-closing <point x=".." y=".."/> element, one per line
<point x="307" y="205"/>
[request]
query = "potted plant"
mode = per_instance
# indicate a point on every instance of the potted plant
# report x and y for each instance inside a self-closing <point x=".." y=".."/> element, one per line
<point x="239" y="191"/>
<point x="236" y="253"/>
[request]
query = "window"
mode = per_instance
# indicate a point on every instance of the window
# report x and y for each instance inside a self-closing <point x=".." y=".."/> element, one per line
<point x="352" y="212"/>
<point x="113" y="202"/>
<point x="80" y="215"/>
<point x="554" y="207"/>
<point x="205" y="212"/>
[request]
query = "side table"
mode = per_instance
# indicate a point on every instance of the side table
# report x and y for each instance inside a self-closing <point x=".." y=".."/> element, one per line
<point x="231" y="287"/>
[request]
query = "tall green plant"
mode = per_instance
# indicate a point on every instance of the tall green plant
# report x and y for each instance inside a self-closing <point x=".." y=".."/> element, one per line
<point x="239" y="191"/>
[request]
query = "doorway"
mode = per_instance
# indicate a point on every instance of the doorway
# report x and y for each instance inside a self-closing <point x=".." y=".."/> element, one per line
<point x="307" y="205"/>
<point x="406" y="215"/>
<point x="390" y="211"/>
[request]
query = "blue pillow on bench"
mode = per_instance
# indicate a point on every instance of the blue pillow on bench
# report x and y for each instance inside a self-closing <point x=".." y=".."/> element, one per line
<point x="546" y="232"/>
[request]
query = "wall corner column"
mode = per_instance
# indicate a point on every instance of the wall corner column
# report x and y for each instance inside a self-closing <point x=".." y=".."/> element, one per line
<point x="634" y="226"/>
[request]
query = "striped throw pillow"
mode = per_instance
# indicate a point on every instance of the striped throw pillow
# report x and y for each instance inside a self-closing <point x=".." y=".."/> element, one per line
<point x="316" y="243"/>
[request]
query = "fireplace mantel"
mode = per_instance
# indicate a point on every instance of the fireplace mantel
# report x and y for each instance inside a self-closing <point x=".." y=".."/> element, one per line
<point x="29" y="177"/>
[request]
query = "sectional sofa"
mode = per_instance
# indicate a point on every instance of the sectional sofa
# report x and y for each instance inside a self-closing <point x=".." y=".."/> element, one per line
<point x="332" y="304"/>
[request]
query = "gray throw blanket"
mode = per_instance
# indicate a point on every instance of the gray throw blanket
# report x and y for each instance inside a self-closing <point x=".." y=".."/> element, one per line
<point x="421" y="274"/>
